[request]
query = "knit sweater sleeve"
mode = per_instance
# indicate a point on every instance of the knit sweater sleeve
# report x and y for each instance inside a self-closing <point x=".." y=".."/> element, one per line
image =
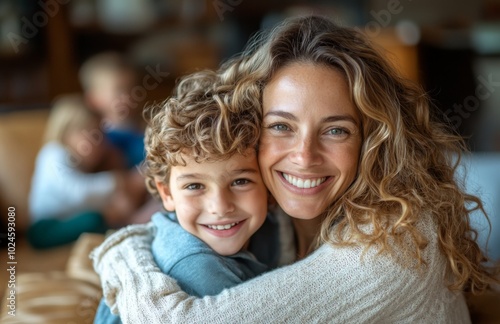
<point x="331" y="285"/>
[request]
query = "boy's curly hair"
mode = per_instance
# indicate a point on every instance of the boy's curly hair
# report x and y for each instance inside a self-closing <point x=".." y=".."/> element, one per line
<point x="202" y="118"/>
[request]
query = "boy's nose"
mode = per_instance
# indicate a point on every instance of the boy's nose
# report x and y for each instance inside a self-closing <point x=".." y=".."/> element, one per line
<point x="221" y="204"/>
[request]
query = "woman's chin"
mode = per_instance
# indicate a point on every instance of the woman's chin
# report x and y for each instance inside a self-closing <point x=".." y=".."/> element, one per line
<point x="302" y="212"/>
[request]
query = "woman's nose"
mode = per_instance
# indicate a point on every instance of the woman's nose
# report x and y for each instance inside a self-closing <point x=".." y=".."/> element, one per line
<point x="306" y="152"/>
<point x="221" y="203"/>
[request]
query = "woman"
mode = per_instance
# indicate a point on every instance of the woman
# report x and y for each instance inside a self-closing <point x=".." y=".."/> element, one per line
<point x="349" y="151"/>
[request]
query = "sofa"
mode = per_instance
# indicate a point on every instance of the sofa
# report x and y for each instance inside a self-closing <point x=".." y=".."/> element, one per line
<point x="52" y="286"/>
<point x="59" y="285"/>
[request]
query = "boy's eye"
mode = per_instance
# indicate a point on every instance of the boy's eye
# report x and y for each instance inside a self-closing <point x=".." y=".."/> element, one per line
<point x="240" y="182"/>
<point x="194" y="186"/>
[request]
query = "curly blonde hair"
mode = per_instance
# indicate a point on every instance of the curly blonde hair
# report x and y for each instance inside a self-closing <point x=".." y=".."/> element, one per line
<point x="408" y="159"/>
<point x="201" y="119"/>
<point x="69" y="113"/>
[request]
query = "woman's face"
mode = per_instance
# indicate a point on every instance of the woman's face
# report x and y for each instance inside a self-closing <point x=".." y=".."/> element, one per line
<point x="311" y="139"/>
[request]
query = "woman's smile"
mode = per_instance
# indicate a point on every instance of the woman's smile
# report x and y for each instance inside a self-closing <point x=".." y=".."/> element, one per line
<point x="303" y="183"/>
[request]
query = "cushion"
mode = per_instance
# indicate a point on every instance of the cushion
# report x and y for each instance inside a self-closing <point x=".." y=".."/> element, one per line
<point x="79" y="264"/>
<point x="21" y="135"/>
<point x="51" y="297"/>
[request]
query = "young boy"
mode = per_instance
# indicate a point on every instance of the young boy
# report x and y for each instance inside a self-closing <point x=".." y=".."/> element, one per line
<point x="107" y="80"/>
<point x="201" y="161"/>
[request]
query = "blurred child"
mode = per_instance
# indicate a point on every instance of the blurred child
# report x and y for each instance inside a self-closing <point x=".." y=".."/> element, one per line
<point x="108" y="80"/>
<point x="202" y="162"/>
<point x="69" y="195"/>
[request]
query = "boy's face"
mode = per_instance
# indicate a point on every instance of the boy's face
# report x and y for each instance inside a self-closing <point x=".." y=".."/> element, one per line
<point x="222" y="203"/>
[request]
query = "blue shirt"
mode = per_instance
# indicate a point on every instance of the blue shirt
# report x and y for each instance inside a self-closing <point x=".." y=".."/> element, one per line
<point x="198" y="269"/>
<point x="130" y="143"/>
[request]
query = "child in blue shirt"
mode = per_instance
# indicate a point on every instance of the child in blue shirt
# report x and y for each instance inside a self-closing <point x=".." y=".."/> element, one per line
<point x="201" y="162"/>
<point x="108" y="81"/>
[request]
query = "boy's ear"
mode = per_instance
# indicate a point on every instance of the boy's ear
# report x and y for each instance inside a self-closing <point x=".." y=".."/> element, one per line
<point x="166" y="197"/>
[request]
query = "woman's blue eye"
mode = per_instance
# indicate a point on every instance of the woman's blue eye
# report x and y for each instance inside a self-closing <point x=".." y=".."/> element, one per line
<point x="194" y="186"/>
<point x="337" y="131"/>
<point x="280" y="127"/>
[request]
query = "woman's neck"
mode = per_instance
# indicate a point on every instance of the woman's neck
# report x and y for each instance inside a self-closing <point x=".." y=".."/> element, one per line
<point x="306" y="231"/>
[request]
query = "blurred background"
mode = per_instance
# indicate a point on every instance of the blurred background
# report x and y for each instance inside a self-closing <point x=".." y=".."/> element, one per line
<point x="451" y="47"/>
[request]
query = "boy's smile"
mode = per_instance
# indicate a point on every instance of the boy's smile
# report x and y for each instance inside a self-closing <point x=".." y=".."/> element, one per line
<point x="222" y="203"/>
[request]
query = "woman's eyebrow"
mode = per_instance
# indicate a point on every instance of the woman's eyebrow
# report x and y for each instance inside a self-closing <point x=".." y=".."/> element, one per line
<point x="282" y="114"/>
<point x="349" y="118"/>
<point x="328" y="119"/>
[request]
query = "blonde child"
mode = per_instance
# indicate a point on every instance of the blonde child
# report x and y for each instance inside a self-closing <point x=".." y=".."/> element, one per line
<point x="70" y="191"/>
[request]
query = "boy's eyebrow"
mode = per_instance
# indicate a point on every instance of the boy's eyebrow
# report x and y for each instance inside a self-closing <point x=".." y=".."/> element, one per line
<point x="247" y="170"/>
<point x="202" y="176"/>
<point x="190" y="176"/>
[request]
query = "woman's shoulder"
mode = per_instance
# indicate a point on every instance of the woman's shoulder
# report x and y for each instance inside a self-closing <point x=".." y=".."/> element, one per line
<point x="398" y="289"/>
<point x="399" y="258"/>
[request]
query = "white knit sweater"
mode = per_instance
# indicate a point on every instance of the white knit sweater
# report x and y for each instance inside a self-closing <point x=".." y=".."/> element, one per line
<point x="332" y="285"/>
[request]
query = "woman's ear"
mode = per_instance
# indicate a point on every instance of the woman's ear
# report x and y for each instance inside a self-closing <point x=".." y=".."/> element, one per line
<point x="166" y="197"/>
